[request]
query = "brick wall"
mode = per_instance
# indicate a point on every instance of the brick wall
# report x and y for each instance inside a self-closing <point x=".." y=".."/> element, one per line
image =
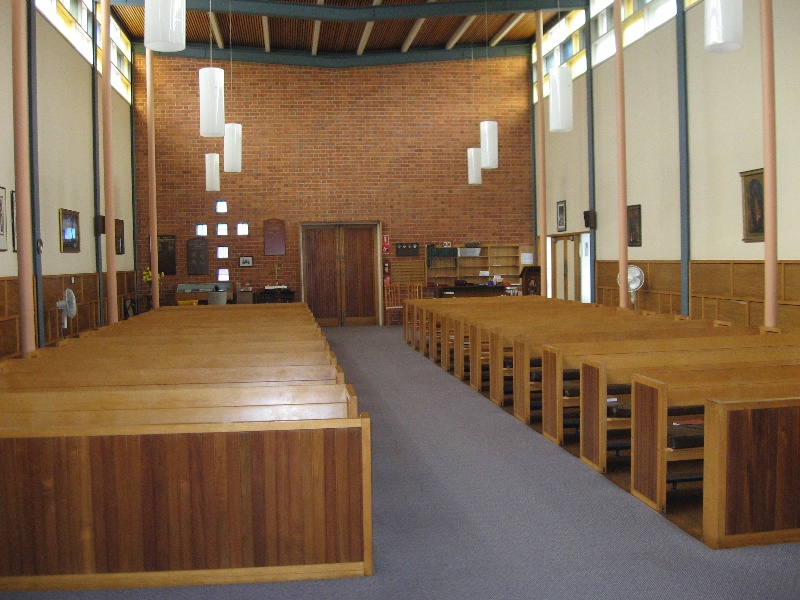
<point x="335" y="145"/>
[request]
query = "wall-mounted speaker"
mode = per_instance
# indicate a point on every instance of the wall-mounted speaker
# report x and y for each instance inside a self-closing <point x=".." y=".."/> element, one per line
<point x="590" y="219"/>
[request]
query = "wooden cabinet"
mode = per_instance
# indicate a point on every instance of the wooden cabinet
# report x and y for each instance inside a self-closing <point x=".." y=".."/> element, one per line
<point x="473" y="265"/>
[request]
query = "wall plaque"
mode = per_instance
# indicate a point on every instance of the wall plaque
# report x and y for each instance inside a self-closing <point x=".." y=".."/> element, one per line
<point x="197" y="256"/>
<point x="274" y="237"/>
<point x="166" y="254"/>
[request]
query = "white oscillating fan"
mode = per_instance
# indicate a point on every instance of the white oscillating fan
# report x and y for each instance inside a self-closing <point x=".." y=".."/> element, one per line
<point x="635" y="281"/>
<point x="67" y="306"/>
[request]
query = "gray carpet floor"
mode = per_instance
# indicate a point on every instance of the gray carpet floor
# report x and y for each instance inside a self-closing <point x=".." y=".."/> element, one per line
<point x="471" y="503"/>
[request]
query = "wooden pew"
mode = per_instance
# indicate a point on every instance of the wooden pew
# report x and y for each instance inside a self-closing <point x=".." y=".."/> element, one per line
<point x="598" y="373"/>
<point x="116" y="472"/>
<point x="181" y="504"/>
<point x="558" y="357"/>
<point x="654" y="391"/>
<point x="741" y="505"/>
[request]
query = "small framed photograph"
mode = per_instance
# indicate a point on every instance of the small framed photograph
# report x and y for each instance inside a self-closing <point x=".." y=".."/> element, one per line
<point x="119" y="236"/>
<point x="3" y="221"/>
<point x="753" y="205"/>
<point x="70" y="230"/>
<point x="561" y="215"/>
<point x="635" y="225"/>
<point x="245" y="261"/>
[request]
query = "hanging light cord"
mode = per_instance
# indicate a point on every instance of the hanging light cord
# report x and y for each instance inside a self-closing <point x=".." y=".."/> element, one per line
<point x="210" y="38"/>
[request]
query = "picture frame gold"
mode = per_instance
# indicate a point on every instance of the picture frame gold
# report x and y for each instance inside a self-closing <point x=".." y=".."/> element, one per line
<point x="752" y="205"/>
<point x="70" y="234"/>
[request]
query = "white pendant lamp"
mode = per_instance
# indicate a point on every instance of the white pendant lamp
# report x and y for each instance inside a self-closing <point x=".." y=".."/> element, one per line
<point x="165" y="25"/>
<point x="233" y="148"/>
<point x="212" y="102"/>
<point x="488" y="144"/>
<point x="474" y="176"/>
<point x="561" y="99"/>
<point x="212" y="172"/>
<point x="724" y="25"/>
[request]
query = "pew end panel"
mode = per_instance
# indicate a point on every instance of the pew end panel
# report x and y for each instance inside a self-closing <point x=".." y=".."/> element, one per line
<point x="649" y="400"/>
<point x="593" y="433"/>
<point x="743" y="506"/>
<point x="522" y="380"/>
<point x="99" y="507"/>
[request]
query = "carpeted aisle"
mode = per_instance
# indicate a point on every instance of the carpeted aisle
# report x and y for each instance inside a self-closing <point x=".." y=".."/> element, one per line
<point x="470" y="503"/>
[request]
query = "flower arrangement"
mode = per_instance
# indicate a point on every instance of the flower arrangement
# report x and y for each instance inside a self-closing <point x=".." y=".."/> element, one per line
<point x="147" y="275"/>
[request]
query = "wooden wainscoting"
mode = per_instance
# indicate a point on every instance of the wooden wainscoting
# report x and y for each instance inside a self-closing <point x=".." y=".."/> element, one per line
<point x="9" y="317"/>
<point x="725" y="290"/>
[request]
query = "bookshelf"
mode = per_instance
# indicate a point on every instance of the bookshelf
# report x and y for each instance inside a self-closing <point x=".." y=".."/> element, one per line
<point x="473" y="265"/>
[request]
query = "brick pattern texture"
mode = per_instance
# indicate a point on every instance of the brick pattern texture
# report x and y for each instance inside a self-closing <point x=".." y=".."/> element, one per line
<point x="384" y="144"/>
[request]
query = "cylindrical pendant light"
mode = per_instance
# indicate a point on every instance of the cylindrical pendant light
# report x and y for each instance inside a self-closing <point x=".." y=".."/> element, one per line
<point x="233" y="148"/>
<point x="212" y="172"/>
<point x="165" y="25"/>
<point x="488" y="144"/>
<point x="474" y="176"/>
<point x="724" y="25"/>
<point x="212" y="102"/>
<point x="561" y="99"/>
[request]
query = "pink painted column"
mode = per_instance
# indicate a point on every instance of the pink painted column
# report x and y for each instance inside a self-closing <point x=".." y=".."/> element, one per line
<point x="22" y="175"/>
<point x="108" y="166"/>
<point x="541" y="172"/>
<point x="622" y="159"/>
<point x="151" y="178"/>
<point x="770" y="167"/>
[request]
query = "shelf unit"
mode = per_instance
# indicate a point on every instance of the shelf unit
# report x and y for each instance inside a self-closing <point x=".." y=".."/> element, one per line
<point x="473" y="265"/>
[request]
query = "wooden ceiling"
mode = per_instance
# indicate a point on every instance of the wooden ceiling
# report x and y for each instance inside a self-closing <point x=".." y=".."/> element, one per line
<point x="351" y="33"/>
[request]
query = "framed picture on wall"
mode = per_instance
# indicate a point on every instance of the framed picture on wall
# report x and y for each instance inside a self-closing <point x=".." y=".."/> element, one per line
<point x="3" y="221"/>
<point x="119" y="236"/>
<point x="561" y="215"/>
<point x="753" y="205"/>
<point x="635" y="225"/>
<point x="70" y="230"/>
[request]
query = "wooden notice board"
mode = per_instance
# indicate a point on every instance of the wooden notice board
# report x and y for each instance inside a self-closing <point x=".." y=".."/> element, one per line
<point x="274" y="237"/>
<point x="166" y="254"/>
<point x="197" y="256"/>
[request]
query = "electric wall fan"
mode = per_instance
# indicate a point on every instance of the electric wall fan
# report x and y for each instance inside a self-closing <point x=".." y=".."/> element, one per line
<point x="67" y="306"/>
<point x="635" y="282"/>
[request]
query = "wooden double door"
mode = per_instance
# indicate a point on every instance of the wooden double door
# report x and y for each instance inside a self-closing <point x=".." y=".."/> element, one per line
<point x="340" y="273"/>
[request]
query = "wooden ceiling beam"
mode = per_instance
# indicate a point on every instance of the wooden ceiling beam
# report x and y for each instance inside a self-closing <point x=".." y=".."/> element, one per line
<point x="212" y="18"/>
<point x="315" y="38"/>
<point x="367" y="32"/>
<point x="462" y="29"/>
<point x="414" y="32"/>
<point x="265" y="29"/>
<point x="505" y="29"/>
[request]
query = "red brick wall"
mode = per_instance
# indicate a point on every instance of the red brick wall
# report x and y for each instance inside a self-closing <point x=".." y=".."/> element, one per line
<point x="382" y="144"/>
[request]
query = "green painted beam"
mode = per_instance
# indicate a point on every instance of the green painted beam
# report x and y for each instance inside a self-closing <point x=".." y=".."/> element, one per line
<point x="349" y="60"/>
<point x="424" y="10"/>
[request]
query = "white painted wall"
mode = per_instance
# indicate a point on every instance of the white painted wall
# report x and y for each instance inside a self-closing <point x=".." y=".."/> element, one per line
<point x="8" y="259"/>
<point x="65" y="149"/>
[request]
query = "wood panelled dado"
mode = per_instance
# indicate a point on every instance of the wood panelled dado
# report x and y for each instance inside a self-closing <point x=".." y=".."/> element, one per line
<point x="9" y="317"/>
<point x="186" y="501"/>
<point x="340" y="282"/>
<point x="725" y="290"/>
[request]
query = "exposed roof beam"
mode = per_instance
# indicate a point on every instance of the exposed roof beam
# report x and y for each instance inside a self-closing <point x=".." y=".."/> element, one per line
<point x="507" y="26"/>
<point x="215" y="28"/>
<point x="414" y="31"/>
<point x="315" y="37"/>
<point x="456" y="8"/>
<point x="265" y="28"/>
<point x="367" y="32"/>
<point x="349" y="60"/>
<point x="462" y="29"/>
